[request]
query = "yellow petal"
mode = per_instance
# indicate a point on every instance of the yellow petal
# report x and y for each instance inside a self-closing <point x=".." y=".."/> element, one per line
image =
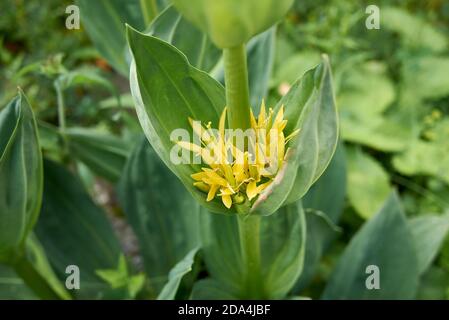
<point x="227" y="201"/>
<point x="251" y="190"/>
<point x="222" y="123"/>
<point x="212" y="192"/>
<point x="202" y="186"/>
<point x="215" y="178"/>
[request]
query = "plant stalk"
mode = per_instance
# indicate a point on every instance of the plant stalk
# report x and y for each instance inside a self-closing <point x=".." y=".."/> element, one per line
<point x="237" y="88"/>
<point x="34" y="280"/>
<point x="249" y="232"/>
<point x="149" y="10"/>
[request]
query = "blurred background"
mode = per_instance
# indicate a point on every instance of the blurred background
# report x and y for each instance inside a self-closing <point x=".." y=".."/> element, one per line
<point x="392" y="87"/>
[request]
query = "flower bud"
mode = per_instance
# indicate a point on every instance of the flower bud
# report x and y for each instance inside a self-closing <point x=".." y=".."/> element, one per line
<point x="233" y="22"/>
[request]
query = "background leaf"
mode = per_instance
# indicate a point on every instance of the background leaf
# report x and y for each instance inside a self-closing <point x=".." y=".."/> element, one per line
<point x="86" y="238"/>
<point x="429" y="233"/>
<point x="385" y="241"/>
<point x="368" y="183"/>
<point x="175" y="276"/>
<point x="162" y="213"/>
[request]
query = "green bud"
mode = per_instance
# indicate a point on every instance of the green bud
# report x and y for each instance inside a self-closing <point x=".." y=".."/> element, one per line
<point x="233" y="22"/>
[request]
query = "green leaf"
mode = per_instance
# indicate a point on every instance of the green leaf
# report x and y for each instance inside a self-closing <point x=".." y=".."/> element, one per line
<point x="431" y="74"/>
<point x="12" y="287"/>
<point x="320" y="230"/>
<point x="429" y="233"/>
<point x="434" y="285"/>
<point x="104" y="154"/>
<point x="366" y="90"/>
<point x="20" y="175"/>
<point x="84" y="235"/>
<point x="121" y="280"/>
<point x="328" y="193"/>
<point x="167" y="91"/>
<point x="282" y="248"/>
<point x="175" y="276"/>
<point x="323" y="205"/>
<point x="260" y="66"/>
<point x="162" y="213"/>
<point x="384" y="241"/>
<point x="210" y="289"/>
<point x="429" y="156"/>
<point x="368" y="183"/>
<point x="309" y="107"/>
<point x="37" y="256"/>
<point x="104" y="21"/>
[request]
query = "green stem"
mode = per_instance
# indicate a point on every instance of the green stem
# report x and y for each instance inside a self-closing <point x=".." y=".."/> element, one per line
<point x="61" y="107"/>
<point x="237" y="88"/>
<point x="249" y="232"/>
<point x="33" y="279"/>
<point x="149" y="10"/>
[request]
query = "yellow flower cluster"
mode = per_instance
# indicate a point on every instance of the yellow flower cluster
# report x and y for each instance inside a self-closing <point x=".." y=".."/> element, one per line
<point x="239" y="169"/>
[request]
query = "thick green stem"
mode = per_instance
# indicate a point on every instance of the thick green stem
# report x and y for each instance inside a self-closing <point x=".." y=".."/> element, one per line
<point x="33" y="279"/>
<point x="149" y="10"/>
<point x="237" y="88"/>
<point x="249" y="231"/>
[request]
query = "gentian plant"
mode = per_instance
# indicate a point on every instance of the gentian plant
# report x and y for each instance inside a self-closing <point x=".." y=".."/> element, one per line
<point x="235" y="158"/>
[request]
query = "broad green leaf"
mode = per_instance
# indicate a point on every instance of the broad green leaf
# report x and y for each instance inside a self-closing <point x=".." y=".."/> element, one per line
<point x="428" y="156"/>
<point x="104" y="154"/>
<point x="368" y="183"/>
<point x="384" y="133"/>
<point x="210" y="289"/>
<point x="162" y="213"/>
<point x="175" y="276"/>
<point x="283" y="246"/>
<point x="434" y="285"/>
<point x="104" y="21"/>
<point x="260" y="65"/>
<point x="384" y="241"/>
<point x="328" y="193"/>
<point x="84" y="235"/>
<point x="20" y="175"/>
<point x="415" y="32"/>
<point x="282" y="249"/>
<point x="12" y="286"/>
<point x="430" y="72"/>
<point x="429" y="233"/>
<point x="167" y="91"/>
<point x="365" y="94"/>
<point x="366" y="90"/>
<point x="320" y="230"/>
<point x="37" y="256"/>
<point x="323" y="205"/>
<point x="309" y="107"/>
